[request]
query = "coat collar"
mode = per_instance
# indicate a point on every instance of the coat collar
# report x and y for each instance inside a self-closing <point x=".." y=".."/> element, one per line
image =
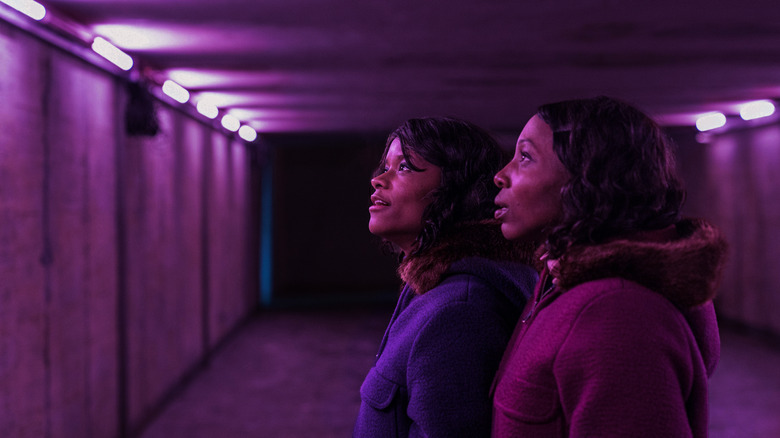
<point x="682" y="263"/>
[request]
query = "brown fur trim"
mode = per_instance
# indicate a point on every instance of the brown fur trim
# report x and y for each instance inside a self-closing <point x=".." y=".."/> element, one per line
<point x="686" y="270"/>
<point x="473" y="239"/>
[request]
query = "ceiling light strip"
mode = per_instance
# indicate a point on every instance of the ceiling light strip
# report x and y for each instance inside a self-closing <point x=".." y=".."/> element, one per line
<point x="247" y="133"/>
<point x="756" y="110"/>
<point x="230" y="122"/>
<point x="104" y="48"/>
<point x="175" y="91"/>
<point x="30" y="8"/>
<point x="710" y="121"/>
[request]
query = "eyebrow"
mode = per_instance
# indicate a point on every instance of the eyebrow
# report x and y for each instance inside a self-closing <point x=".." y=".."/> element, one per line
<point x="526" y="141"/>
<point x="399" y="157"/>
<point x="413" y="164"/>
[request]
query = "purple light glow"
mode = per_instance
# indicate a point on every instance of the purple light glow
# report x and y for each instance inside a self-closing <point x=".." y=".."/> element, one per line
<point x="197" y="38"/>
<point x="215" y="78"/>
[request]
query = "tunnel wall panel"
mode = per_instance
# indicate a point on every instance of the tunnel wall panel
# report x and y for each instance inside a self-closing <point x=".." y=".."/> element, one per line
<point x="164" y="293"/>
<point x="80" y="254"/>
<point x="23" y="303"/>
<point x="105" y="294"/>
<point x="232" y="257"/>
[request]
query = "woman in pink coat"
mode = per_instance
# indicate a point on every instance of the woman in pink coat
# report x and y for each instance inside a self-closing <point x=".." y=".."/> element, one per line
<point x="620" y="336"/>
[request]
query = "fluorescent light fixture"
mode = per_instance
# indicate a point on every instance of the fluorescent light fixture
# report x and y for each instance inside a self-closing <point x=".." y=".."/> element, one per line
<point x="131" y="37"/>
<point x="231" y="123"/>
<point x="112" y="53"/>
<point x="247" y="133"/>
<point x="175" y="91"/>
<point x="30" y="8"/>
<point x="710" y="121"/>
<point x="756" y="110"/>
<point x="207" y="109"/>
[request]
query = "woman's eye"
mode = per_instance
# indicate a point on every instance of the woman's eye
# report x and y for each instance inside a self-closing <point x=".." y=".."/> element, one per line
<point x="523" y="156"/>
<point x="403" y="167"/>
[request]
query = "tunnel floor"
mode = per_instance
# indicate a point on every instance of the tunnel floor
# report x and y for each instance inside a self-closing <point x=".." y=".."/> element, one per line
<point x="289" y="374"/>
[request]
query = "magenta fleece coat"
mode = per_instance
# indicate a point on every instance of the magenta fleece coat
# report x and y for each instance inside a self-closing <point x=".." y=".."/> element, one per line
<point x="610" y="356"/>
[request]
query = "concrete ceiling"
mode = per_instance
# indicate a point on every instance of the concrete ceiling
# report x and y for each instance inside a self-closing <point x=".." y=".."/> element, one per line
<point x="366" y="65"/>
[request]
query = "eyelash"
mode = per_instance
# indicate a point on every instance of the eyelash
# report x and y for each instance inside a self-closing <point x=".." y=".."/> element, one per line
<point x="403" y="167"/>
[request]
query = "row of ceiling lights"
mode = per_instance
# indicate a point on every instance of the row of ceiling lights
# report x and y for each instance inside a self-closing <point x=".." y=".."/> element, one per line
<point x="124" y="61"/>
<point x="750" y="111"/>
<point x="33" y="9"/>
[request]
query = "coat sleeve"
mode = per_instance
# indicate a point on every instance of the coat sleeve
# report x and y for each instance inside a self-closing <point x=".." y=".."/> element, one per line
<point x="626" y="368"/>
<point x="450" y="369"/>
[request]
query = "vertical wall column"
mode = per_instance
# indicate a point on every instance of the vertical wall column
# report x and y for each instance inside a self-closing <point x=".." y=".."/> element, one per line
<point x="58" y="361"/>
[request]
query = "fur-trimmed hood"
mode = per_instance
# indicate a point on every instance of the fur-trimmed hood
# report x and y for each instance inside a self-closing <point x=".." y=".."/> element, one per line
<point x="422" y="272"/>
<point x="683" y="263"/>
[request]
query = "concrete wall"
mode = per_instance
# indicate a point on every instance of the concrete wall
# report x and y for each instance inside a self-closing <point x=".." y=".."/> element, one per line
<point x="734" y="182"/>
<point x="123" y="260"/>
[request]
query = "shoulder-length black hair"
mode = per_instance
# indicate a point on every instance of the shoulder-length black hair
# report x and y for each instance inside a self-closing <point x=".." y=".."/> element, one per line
<point x="468" y="157"/>
<point x="622" y="167"/>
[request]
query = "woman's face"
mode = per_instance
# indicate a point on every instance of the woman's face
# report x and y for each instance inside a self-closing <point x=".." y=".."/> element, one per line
<point x="400" y="196"/>
<point x="530" y="197"/>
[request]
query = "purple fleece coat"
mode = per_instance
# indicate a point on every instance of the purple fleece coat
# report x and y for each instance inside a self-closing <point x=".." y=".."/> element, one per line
<point x="603" y="355"/>
<point x="440" y="352"/>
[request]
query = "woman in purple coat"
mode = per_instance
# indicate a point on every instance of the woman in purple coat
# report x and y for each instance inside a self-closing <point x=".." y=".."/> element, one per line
<point x="463" y="288"/>
<point x="620" y="337"/>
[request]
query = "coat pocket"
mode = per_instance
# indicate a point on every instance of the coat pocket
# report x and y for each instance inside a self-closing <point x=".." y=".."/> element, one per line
<point x="377" y="391"/>
<point x="382" y="411"/>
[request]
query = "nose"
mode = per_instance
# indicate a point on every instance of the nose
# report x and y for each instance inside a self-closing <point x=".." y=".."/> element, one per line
<point x="501" y="180"/>
<point x="378" y="181"/>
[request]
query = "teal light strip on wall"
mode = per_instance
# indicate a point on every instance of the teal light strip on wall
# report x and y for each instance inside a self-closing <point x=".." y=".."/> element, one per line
<point x="266" y="235"/>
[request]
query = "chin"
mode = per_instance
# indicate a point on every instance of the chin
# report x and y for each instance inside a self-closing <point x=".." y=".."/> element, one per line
<point x="374" y="225"/>
<point x="378" y="230"/>
<point x="509" y="232"/>
<point x="375" y="230"/>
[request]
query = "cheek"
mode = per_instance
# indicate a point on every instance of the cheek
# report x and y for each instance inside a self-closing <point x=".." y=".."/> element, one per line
<point x="419" y="200"/>
<point x="549" y="204"/>
<point x="410" y="210"/>
<point x="537" y="205"/>
<point x="548" y="211"/>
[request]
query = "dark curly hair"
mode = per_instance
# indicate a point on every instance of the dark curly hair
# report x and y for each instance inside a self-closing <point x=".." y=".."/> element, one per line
<point x="468" y="157"/>
<point x="622" y="167"/>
